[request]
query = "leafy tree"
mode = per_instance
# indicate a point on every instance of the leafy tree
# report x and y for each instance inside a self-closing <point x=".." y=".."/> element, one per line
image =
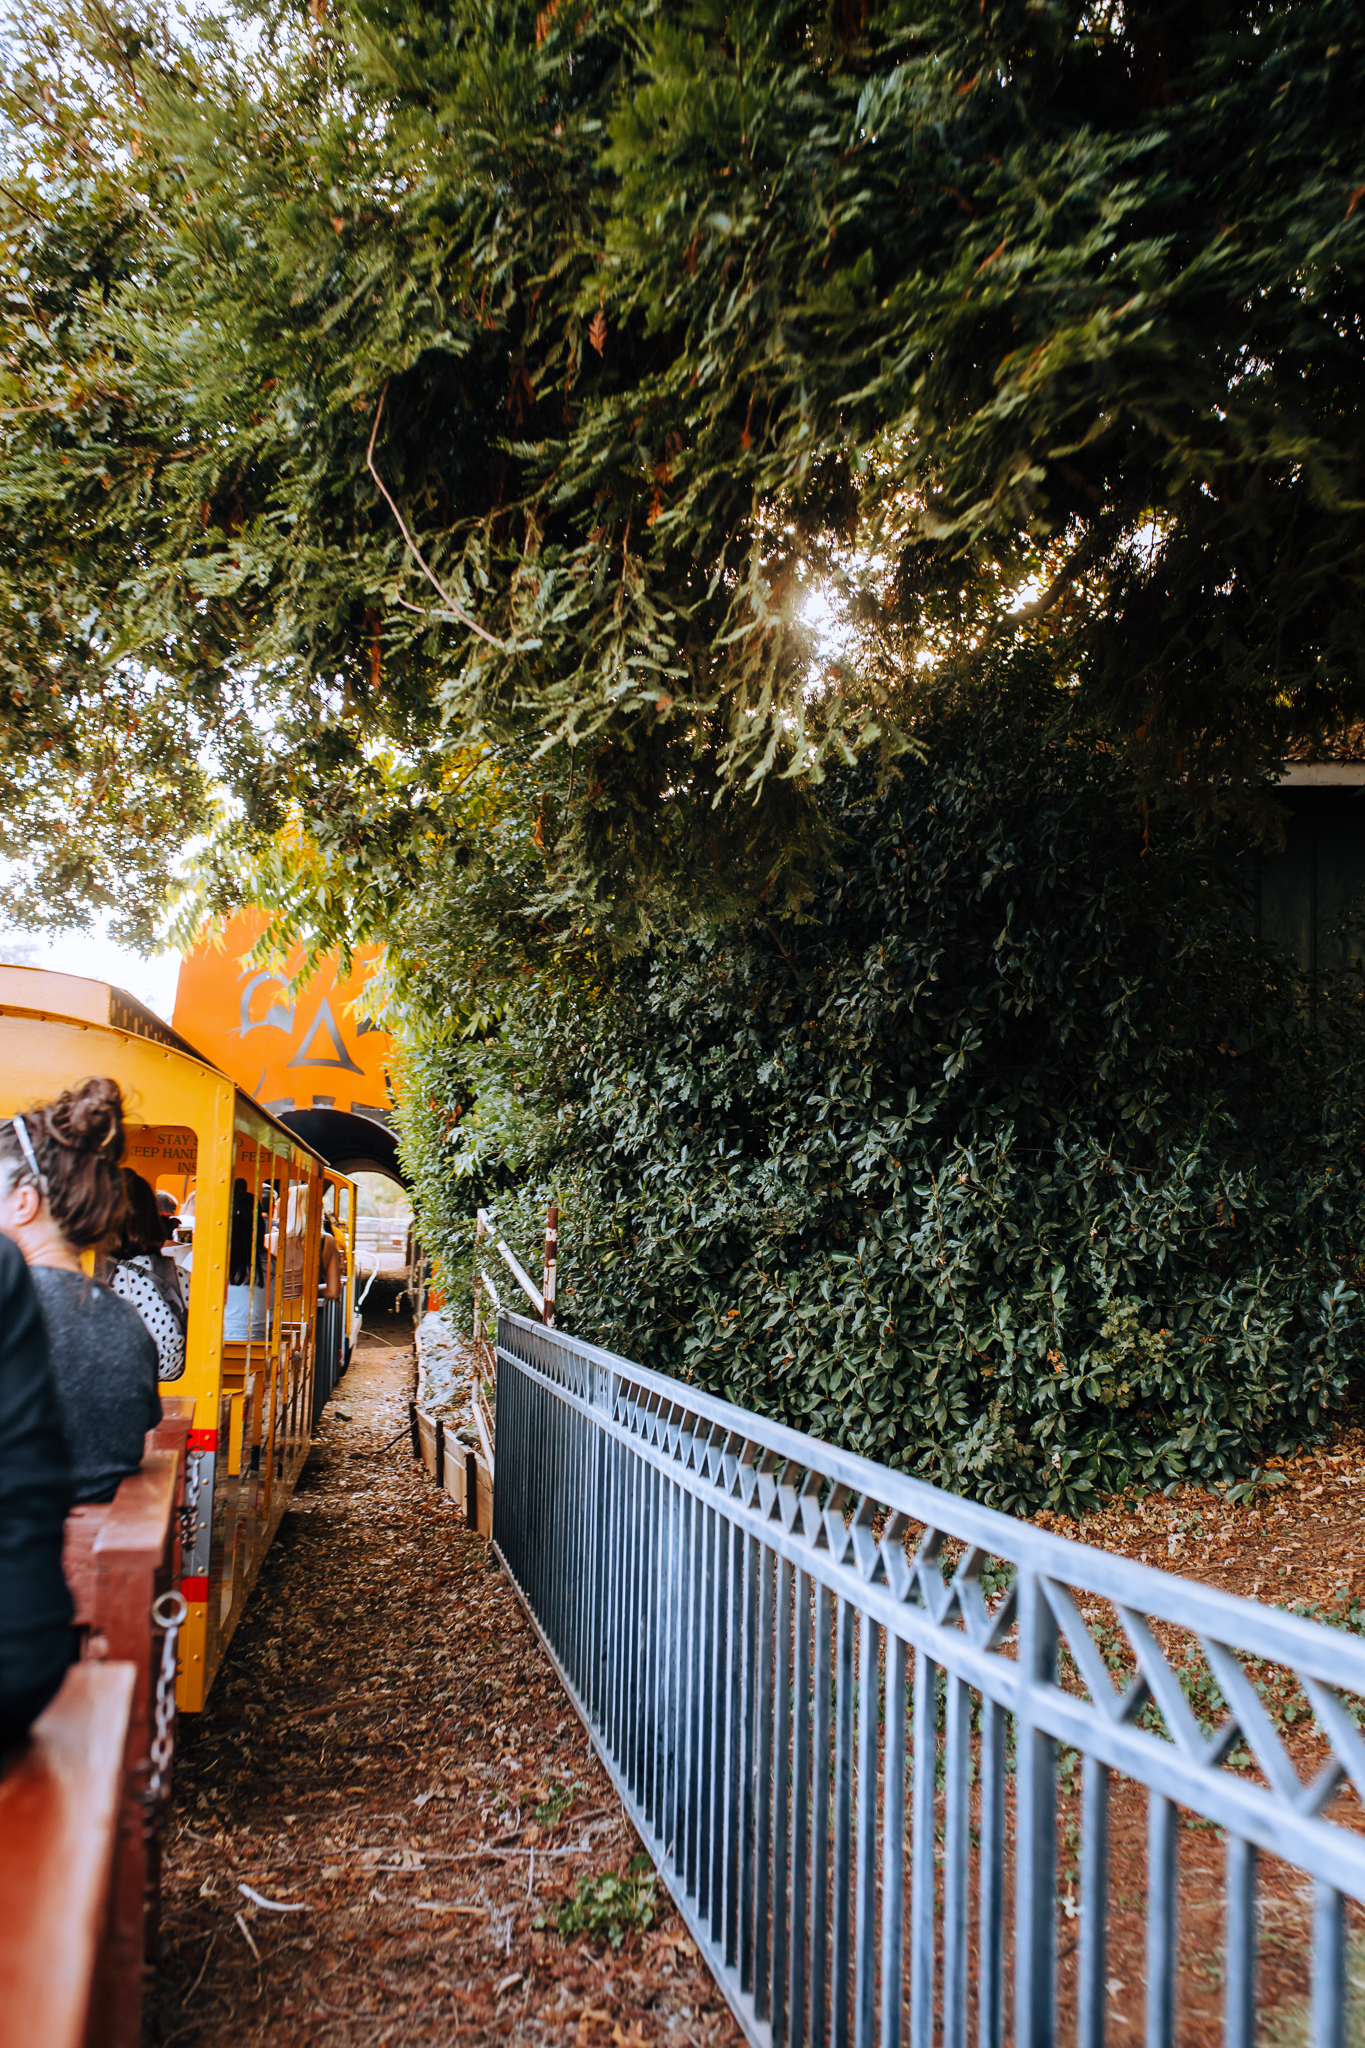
<point x="422" y="430"/>
<point x="102" y="775"/>
<point x="1013" y="1165"/>
<point x="403" y="379"/>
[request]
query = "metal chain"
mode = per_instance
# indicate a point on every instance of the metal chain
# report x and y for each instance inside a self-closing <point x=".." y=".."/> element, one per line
<point x="189" y="1513"/>
<point x="168" y="1612"/>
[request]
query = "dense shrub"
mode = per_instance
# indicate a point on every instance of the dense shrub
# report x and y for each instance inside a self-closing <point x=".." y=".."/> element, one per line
<point x="1013" y="1165"/>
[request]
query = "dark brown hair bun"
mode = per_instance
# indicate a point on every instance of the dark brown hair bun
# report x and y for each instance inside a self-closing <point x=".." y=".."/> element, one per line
<point x="89" y="1119"/>
<point x="78" y="1143"/>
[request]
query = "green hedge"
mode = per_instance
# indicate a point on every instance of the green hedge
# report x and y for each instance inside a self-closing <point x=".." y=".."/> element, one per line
<point x="1013" y="1164"/>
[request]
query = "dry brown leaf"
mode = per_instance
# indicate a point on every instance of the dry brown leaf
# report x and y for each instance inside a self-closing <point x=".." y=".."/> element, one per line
<point x="452" y="1676"/>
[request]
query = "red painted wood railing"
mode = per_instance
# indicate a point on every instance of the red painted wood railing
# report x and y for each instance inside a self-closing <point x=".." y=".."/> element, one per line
<point x="118" y="1560"/>
<point x="61" y="1803"/>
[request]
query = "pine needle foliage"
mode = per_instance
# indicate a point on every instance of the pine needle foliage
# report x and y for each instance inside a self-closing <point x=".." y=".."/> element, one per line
<point x="1013" y="1165"/>
<point x="386" y="378"/>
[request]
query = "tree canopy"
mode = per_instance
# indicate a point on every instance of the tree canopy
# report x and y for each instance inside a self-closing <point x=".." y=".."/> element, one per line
<point x="1014" y="1164"/>
<point x="390" y="381"/>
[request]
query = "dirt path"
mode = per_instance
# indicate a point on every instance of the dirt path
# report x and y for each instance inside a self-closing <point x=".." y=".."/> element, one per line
<point x="388" y="1747"/>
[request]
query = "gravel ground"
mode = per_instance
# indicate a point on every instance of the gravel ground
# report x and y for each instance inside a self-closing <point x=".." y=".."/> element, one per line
<point x="388" y="1749"/>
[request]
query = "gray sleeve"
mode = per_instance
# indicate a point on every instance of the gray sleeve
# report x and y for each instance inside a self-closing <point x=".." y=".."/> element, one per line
<point x="152" y="1362"/>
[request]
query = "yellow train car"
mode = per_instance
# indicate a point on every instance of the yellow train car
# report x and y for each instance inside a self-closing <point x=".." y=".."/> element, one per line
<point x="252" y="1268"/>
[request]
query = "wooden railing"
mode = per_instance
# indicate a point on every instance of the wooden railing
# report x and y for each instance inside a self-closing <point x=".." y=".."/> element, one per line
<point x="61" y="1803"/>
<point x="79" y="1840"/>
<point x="467" y="1473"/>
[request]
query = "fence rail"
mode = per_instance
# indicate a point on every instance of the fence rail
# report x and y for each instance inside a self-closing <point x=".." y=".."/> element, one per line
<point x="833" y="1700"/>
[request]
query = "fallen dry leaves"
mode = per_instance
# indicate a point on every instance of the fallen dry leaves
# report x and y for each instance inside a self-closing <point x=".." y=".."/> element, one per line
<point x="388" y="1748"/>
<point x="1300" y="1540"/>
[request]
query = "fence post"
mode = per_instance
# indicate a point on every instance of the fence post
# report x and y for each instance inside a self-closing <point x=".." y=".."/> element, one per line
<point x="551" y="1253"/>
<point x="478" y="1242"/>
<point x="1035" y="1809"/>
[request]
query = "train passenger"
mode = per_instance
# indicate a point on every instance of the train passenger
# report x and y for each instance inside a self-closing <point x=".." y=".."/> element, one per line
<point x="246" y="1312"/>
<point x="61" y="1193"/>
<point x="329" y="1261"/>
<point x="331" y="1361"/>
<point x="141" y="1274"/>
<point x="178" y="1242"/>
<point x="169" y="1215"/>
<point x="37" y="1641"/>
<point x="294" y="1215"/>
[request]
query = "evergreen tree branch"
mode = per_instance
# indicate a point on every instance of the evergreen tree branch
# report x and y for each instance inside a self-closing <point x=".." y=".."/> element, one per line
<point x="456" y="612"/>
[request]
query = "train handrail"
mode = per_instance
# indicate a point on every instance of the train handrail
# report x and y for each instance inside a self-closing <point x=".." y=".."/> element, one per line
<point x="172" y="1433"/>
<point x="132" y="1556"/>
<point x="118" y="1560"/>
<point x="60" y="1802"/>
<point x="177" y="1420"/>
<point x="115" y="1553"/>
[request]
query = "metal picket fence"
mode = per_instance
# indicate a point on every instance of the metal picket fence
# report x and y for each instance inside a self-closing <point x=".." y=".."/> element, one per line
<point x="835" y="1701"/>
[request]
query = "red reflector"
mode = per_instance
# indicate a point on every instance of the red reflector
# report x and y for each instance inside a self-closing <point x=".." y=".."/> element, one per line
<point x="195" y="1590"/>
<point x="203" y="1439"/>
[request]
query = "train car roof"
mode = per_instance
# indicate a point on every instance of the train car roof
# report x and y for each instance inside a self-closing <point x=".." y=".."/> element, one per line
<point x="40" y="992"/>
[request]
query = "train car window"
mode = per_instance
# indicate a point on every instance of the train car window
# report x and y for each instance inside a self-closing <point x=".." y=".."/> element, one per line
<point x="167" y="1157"/>
<point x="289" y="1250"/>
<point x="247" y="1304"/>
<point x="274" y="1184"/>
<point x="296" y="1235"/>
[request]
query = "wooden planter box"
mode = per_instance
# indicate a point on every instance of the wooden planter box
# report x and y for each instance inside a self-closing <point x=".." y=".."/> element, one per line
<point x="466" y="1475"/>
<point x="430" y="1445"/>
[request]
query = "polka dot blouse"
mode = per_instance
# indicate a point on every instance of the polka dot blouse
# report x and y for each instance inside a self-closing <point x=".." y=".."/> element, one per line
<point x="132" y="1280"/>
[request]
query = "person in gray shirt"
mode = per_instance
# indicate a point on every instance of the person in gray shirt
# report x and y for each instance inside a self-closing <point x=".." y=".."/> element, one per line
<point x="61" y="1193"/>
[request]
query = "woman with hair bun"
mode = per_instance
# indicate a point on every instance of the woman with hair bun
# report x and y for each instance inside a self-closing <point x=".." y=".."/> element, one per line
<point x="61" y="1193"/>
<point x="141" y="1275"/>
